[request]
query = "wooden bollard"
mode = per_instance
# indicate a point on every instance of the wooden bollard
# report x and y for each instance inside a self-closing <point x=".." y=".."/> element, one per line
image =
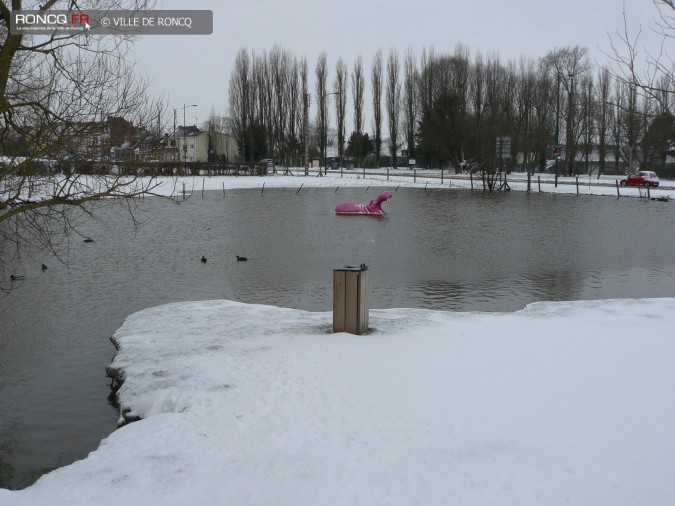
<point x="350" y="299"/>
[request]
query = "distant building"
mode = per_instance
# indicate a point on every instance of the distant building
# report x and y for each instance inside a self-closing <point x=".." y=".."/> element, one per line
<point x="93" y="140"/>
<point x="195" y="145"/>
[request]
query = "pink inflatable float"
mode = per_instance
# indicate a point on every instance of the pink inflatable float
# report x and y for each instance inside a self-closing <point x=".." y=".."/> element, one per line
<point x="373" y="208"/>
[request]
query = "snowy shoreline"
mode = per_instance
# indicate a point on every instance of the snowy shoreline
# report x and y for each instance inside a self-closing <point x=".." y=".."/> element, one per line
<point x="559" y="403"/>
<point x="390" y="178"/>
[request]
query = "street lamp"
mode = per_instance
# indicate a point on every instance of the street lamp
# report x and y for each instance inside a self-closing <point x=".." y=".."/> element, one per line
<point x="184" y="142"/>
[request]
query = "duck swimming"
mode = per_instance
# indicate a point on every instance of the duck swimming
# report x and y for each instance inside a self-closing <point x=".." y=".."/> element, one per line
<point x="241" y="259"/>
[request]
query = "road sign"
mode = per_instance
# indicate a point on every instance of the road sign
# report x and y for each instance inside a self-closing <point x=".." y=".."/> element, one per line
<point x="503" y="147"/>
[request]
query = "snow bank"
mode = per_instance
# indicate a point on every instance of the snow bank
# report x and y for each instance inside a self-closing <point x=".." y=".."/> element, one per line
<point x="560" y="403"/>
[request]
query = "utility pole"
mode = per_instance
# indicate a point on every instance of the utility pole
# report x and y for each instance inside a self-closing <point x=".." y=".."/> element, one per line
<point x="175" y="145"/>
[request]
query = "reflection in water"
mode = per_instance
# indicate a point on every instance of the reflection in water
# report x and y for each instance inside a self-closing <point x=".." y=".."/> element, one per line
<point x="449" y="250"/>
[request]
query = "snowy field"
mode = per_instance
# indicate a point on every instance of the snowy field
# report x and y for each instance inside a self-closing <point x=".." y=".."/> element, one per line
<point x="559" y="403"/>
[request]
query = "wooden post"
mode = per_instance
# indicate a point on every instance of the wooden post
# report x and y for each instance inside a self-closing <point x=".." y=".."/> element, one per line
<point x="577" y="185"/>
<point x="617" y="188"/>
<point x="441" y="176"/>
<point x="415" y="176"/>
<point x="387" y="173"/>
<point x="539" y="183"/>
<point x="350" y="299"/>
<point x="471" y="178"/>
<point x="648" y="194"/>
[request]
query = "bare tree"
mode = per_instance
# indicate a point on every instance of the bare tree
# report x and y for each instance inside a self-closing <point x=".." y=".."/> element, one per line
<point x="393" y="103"/>
<point x="241" y="101"/>
<point x="376" y="84"/>
<point x="544" y="113"/>
<point x="279" y="62"/>
<point x="294" y="117"/>
<point x="58" y="96"/>
<point x="602" y="117"/>
<point x="358" y="88"/>
<point x="650" y="71"/>
<point x="568" y="66"/>
<point x="587" y="118"/>
<point x="340" y="91"/>
<point x="410" y="100"/>
<point x="321" y="74"/>
<point x="460" y="83"/>
<point x="524" y="106"/>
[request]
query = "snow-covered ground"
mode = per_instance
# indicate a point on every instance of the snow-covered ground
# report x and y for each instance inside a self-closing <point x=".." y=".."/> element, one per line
<point x="430" y="179"/>
<point x="559" y="403"/>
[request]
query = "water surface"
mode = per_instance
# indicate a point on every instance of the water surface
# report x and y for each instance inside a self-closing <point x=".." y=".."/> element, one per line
<point x="453" y="250"/>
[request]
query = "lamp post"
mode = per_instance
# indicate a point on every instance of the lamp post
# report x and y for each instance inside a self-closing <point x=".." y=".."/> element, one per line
<point x="325" y="131"/>
<point x="184" y="144"/>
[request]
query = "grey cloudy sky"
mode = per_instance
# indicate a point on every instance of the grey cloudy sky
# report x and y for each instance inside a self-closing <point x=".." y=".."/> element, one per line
<point x="196" y="69"/>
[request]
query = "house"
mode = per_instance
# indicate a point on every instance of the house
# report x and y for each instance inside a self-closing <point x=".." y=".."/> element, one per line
<point x="143" y="146"/>
<point x="195" y="145"/>
<point x="93" y="140"/>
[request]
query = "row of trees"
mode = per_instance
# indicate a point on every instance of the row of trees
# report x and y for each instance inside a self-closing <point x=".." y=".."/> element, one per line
<point x="447" y="110"/>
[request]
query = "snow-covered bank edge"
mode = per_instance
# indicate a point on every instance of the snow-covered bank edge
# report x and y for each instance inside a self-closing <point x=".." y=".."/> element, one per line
<point x="558" y="403"/>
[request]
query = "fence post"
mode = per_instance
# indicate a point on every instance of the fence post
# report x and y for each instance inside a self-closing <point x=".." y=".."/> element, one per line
<point x="617" y="188"/>
<point x="415" y="176"/>
<point x="577" y="185"/>
<point x="539" y="183"/>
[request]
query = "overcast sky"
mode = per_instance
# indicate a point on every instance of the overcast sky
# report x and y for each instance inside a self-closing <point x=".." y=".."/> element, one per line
<point x="196" y="69"/>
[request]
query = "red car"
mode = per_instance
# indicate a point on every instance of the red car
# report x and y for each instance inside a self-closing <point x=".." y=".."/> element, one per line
<point x="643" y="178"/>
